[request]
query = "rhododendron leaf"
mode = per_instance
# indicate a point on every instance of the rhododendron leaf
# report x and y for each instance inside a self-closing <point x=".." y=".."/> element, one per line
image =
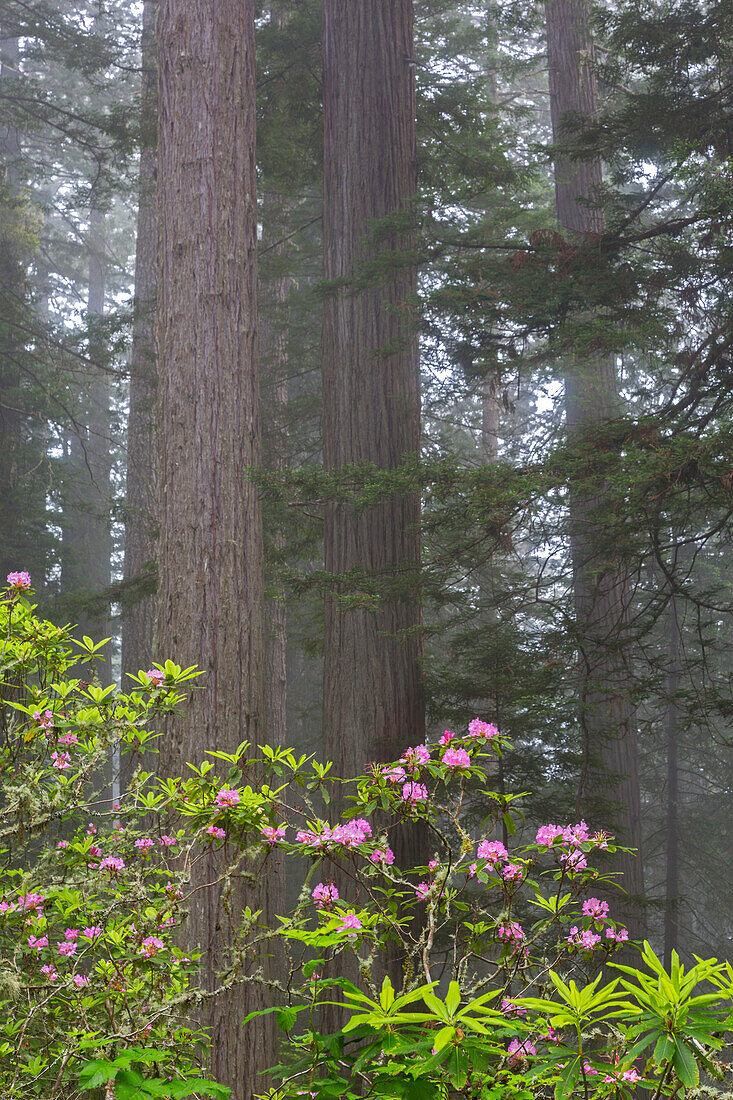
<point x="664" y="1049"/>
<point x="684" y="1064"/>
<point x="437" y="1007"/>
<point x="453" y="998"/>
<point x="568" y="1079"/>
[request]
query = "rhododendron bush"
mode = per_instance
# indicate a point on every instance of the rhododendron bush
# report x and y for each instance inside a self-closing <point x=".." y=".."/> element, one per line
<point x="492" y="969"/>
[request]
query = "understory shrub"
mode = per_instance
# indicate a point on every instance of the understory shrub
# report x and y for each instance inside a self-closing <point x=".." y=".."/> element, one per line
<point x="490" y="970"/>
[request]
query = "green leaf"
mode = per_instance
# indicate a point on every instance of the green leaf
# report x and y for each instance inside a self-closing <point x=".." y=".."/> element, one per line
<point x="684" y="1064"/>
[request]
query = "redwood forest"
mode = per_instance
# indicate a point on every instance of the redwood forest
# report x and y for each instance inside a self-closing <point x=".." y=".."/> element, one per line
<point x="366" y="549"/>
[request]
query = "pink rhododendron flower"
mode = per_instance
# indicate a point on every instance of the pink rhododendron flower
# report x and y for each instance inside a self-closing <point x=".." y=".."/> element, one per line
<point x="509" y="1008"/>
<point x="512" y="872"/>
<point x="595" y="908"/>
<point x="589" y="1071"/>
<point x="519" y="1052"/>
<point x="20" y="580"/>
<point x="485" y="730"/>
<point x="80" y="980"/>
<point x="617" y="935"/>
<point x="351" y="833"/>
<point x="350" y="924"/>
<point x="69" y="739"/>
<point x="630" y="1075"/>
<point x="456" y="758"/>
<point x="45" y="720"/>
<point x="392" y="773"/>
<point x="50" y="972"/>
<point x="145" y="843"/>
<point x="167" y="841"/>
<point x="472" y="869"/>
<point x="95" y="850"/>
<point x="67" y="947"/>
<point x="215" y="832"/>
<point x="7" y="907"/>
<point x="92" y="931"/>
<point x="548" y="834"/>
<point x="271" y="835"/>
<point x="113" y="864"/>
<point x="91" y="828"/>
<point x="414" y="792"/>
<point x="325" y="894"/>
<point x="574" y="861"/>
<point x="37" y="943"/>
<point x="61" y="760"/>
<point x="382" y="855"/>
<point x="433" y="864"/>
<point x="63" y="844"/>
<point x="71" y="933"/>
<point x="313" y="840"/>
<point x="155" y="676"/>
<point x="413" y="757"/>
<point x="511" y="932"/>
<point x="575" y="835"/>
<point x="150" y="946"/>
<point x="31" y="901"/>
<point x="493" y="851"/>
<point x="173" y="891"/>
<point x="586" y="940"/>
<point x="422" y="890"/>
<point x="227" y="796"/>
<point x="447" y="738"/>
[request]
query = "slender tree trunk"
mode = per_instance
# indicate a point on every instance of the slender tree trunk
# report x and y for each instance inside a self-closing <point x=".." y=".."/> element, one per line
<point x="138" y="603"/>
<point x="672" y="891"/>
<point x="11" y="294"/>
<point x="210" y="587"/>
<point x="86" y="540"/>
<point x="373" y="683"/>
<point x="274" y="342"/>
<point x="601" y="585"/>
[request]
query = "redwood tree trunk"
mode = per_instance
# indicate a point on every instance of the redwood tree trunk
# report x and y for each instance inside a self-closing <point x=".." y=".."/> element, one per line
<point x="672" y="886"/>
<point x="87" y="539"/>
<point x="373" y="685"/>
<point x="138" y="603"/>
<point x="210" y="589"/>
<point x="274" y="343"/>
<point x="600" y="581"/>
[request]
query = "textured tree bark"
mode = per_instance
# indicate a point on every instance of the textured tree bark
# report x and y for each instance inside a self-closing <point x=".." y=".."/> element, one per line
<point x="138" y="603"/>
<point x="86" y="538"/>
<point x="274" y="358"/>
<point x="601" y="586"/>
<point x="12" y="542"/>
<point x="210" y="589"/>
<point x="373" y="685"/>
<point x="274" y="341"/>
<point x="672" y="886"/>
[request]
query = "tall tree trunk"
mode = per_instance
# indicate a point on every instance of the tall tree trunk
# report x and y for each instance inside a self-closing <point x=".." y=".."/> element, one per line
<point x="274" y="343"/>
<point x="210" y="588"/>
<point x="138" y="603"/>
<point x="672" y="889"/>
<point x="86" y="539"/>
<point x="373" y="696"/>
<point x="601" y="585"/>
<point x="11" y="293"/>
<point x="373" y="684"/>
